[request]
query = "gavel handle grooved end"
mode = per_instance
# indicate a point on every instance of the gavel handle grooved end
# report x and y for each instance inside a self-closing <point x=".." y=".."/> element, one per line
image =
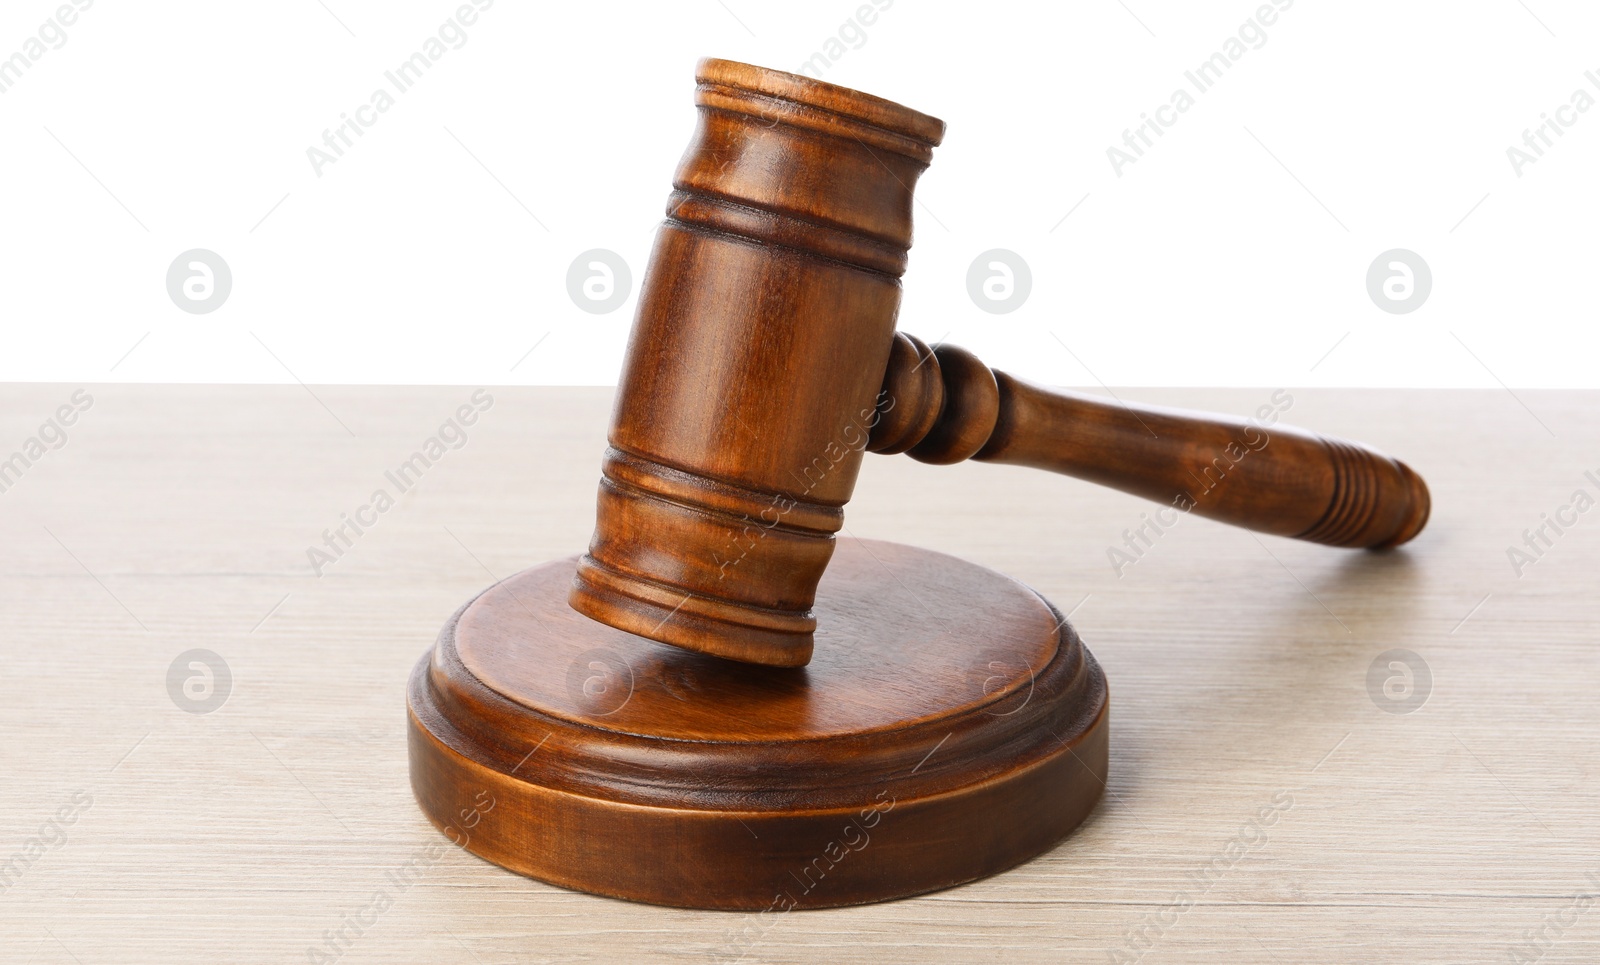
<point x="943" y="405"/>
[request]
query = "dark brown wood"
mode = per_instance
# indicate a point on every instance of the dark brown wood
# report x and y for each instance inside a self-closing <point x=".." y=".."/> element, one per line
<point x="952" y="726"/>
<point x="1254" y="472"/>
<point x="763" y="330"/>
<point x="763" y="359"/>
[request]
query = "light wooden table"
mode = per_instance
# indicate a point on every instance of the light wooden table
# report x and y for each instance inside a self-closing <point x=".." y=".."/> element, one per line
<point x="176" y="518"/>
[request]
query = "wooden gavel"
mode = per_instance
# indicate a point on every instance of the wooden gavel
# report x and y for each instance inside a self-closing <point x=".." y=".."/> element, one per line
<point x="764" y="361"/>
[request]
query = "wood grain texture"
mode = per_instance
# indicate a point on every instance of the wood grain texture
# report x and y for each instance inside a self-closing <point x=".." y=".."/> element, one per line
<point x="754" y="364"/>
<point x="953" y="727"/>
<point x="1248" y="470"/>
<point x="180" y="517"/>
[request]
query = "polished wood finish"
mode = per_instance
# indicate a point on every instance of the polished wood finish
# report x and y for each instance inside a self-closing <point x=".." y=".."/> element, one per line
<point x="763" y="362"/>
<point x="763" y="330"/>
<point x="951" y="704"/>
<point x="947" y="406"/>
<point x="948" y="703"/>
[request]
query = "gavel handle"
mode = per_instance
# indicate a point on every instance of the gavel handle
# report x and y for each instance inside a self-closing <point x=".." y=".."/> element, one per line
<point x="943" y="405"/>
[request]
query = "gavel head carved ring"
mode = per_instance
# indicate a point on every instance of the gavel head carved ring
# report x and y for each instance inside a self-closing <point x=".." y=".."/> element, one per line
<point x="764" y="362"/>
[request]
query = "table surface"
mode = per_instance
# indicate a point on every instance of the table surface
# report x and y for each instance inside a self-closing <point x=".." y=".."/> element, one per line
<point x="180" y="517"/>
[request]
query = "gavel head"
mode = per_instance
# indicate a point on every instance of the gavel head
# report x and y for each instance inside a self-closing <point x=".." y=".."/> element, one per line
<point x="754" y="371"/>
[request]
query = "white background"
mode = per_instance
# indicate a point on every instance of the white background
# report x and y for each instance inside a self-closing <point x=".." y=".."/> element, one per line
<point x="436" y="250"/>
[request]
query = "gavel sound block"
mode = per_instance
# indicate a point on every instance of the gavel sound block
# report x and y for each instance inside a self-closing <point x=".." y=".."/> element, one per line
<point x="720" y="704"/>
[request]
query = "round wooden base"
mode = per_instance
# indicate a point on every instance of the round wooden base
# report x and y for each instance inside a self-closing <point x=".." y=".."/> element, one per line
<point x="950" y="725"/>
